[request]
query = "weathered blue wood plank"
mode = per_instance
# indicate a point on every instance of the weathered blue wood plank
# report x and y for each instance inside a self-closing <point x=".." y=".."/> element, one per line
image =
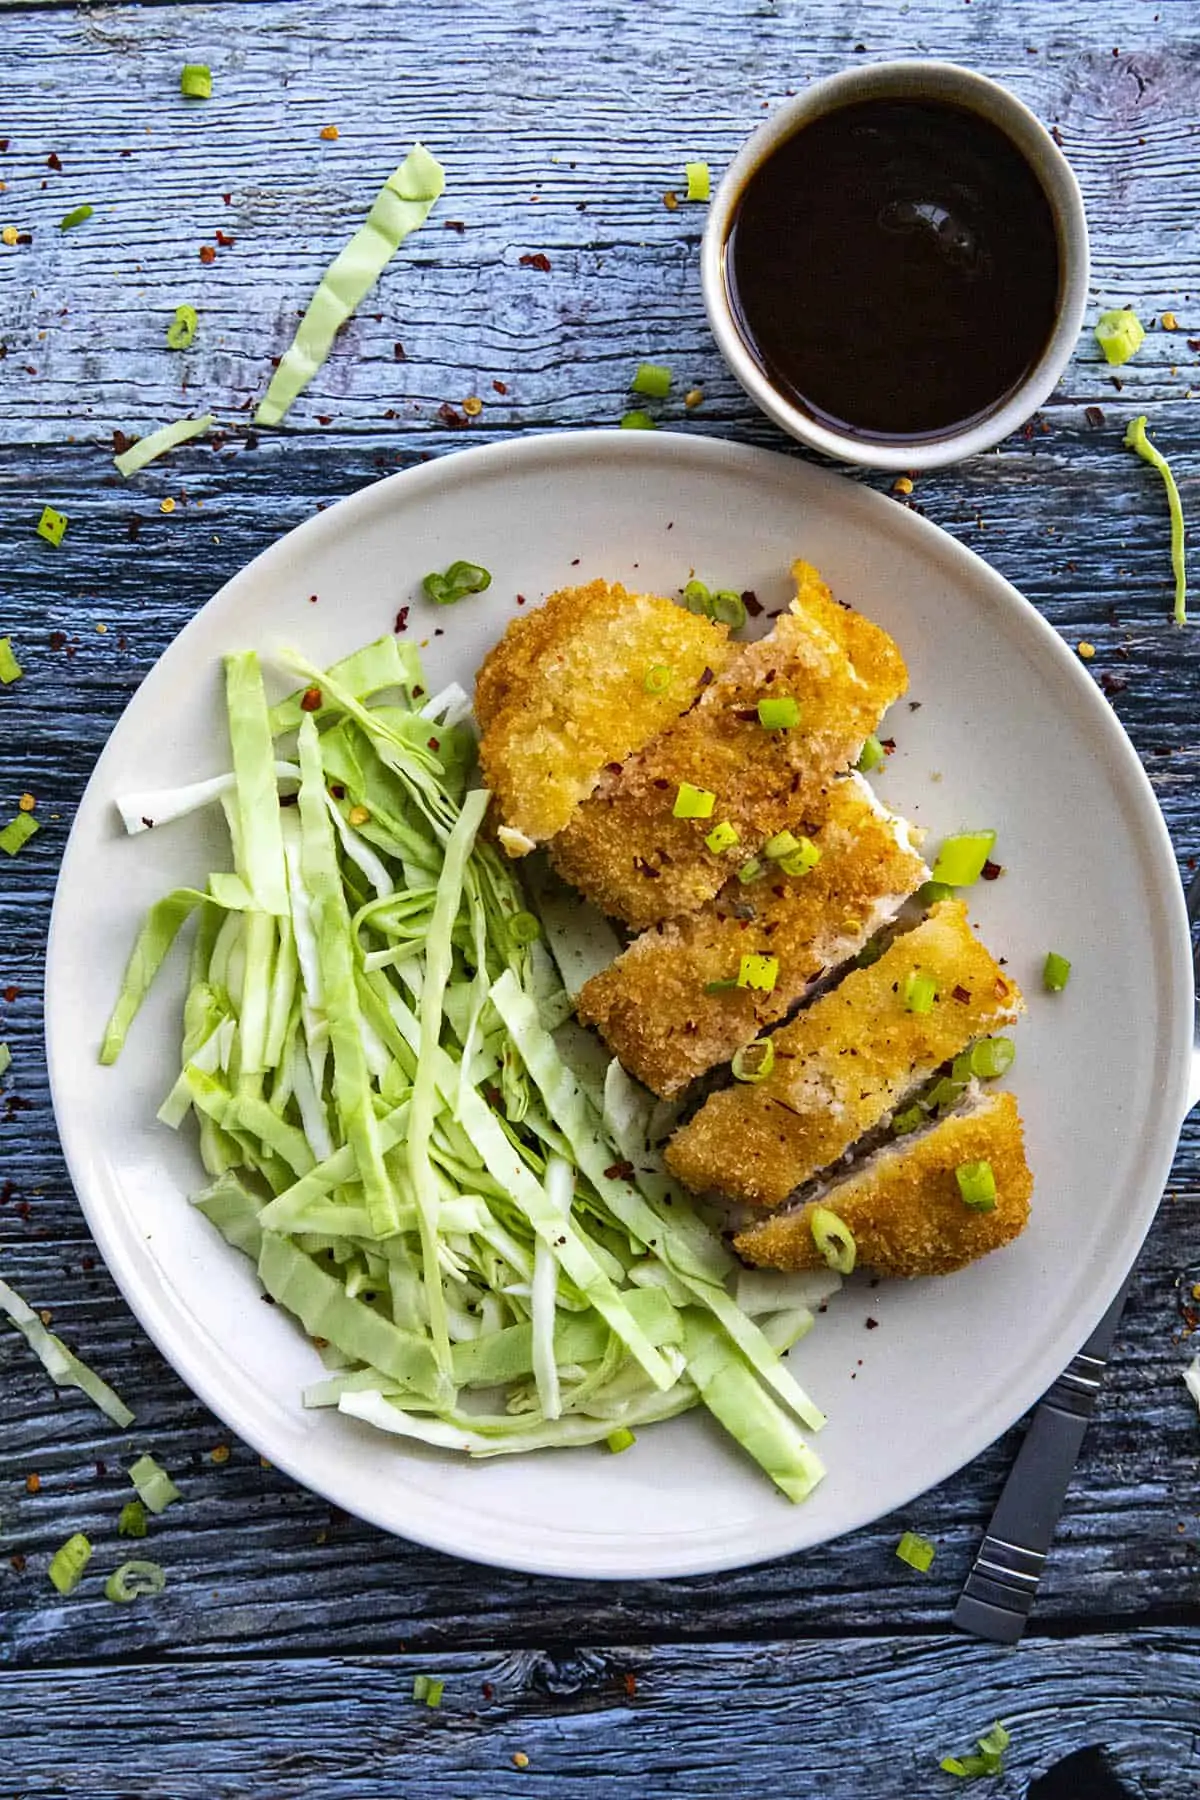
<point x="581" y="106"/>
<point x="793" y="1722"/>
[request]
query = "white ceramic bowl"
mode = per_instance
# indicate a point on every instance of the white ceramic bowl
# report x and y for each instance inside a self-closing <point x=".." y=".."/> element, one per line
<point x="908" y="81"/>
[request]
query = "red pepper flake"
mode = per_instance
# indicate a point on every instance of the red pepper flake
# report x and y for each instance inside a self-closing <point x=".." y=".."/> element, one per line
<point x="398" y="353"/>
<point x="207" y="254"/>
<point x="312" y="599"/>
<point x="454" y="225"/>
<point x="501" y="387"/>
<point x="54" y="162"/>
<point x="338" y="791"/>
<point x="57" y="640"/>
<point x="889" y="745"/>
<point x="3" y="145"/>
<point x="750" y="600"/>
<point x="619" y="1171"/>
<point x="402" y="619"/>
<point x="324" y="418"/>
<point x="226" y="242"/>
<point x="148" y="823"/>
<point x="962" y="995"/>
<point x="418" y="691"/>
<point x="520" y="599"/>
<point x="227" y="198"/>
<point x="1113" y="684"/>
<point x="132" y="526"/>
<point x="1094" y="416"/>
<point x="121" y="443"/>
<point x="448" y="416"/>
<point x="872" y="1324"/>
<point x="435" y="744"/>
<point x="17" y="1562"/>
<point x="488" y="1691"/>
<point x="630" y="1684"/>
<point x="1193" y="343"/>
<point x="11" y="994"/>
<point x="1057" y="135"/>
<point x="535" y="260"/>
<point x="311" y="700"/>
<point x="992" y="871"/>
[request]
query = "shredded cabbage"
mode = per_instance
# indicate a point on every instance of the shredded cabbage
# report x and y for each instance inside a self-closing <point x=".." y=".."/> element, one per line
<point x="469" y="1217"/>
<point x="401" y="205"/>
<point x="159" y="442"/>
<point x="60" y="1364"/>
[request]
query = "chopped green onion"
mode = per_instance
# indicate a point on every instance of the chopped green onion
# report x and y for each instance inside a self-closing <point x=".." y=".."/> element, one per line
<point x="778" y="715"/>
<point x="909" y="1120"/>
<point x="76" y="216"/>
<point x="1136" y="439"/>
<point x="524" y="927"/>
<point x="757" y="971"/>
<point x="68" y="1563"/>
<point x="637" y="421"/>
<point x="159" y="442"/>
<point x="833" y="1239"/>
<point x="17" y="833"/>
<point x="52" y="526"/>
<point x="401" y="205"/>
<point x="750" y="871"/>
<point x="799" y="861"/>
<point x="943" y="1095"/>
<point x="195" y="81"/>
<point x="182" y="328"/>
<point x="132" y="1522"/>
<point x="698" y="183"/>
<point x="722" y="837"/>
<point x="977" y="1185"/>
<point x="961" y="859"/>
<point x="781" y="845"/>
<point x="133" y="1580"/>
<point x="920" y="991"/>
<point x="429" y="1689"/>
<point x="459" y="580"/>
<point x="693" y="802"/>
<point x="1119" y="334"/>
<point x="1056" y="971"/>
<point x="870" y="756"/>
<point x="155" y="1487"/>
<point x="620" y="1439"/>
<point x="658" y="679"/>
<point x="728" y="608"/>
<point x="728" y="986"/>
<point x="5" y="1058"/>
<point x="989" y="1761"/>
<point x="930" y="892"/>
<point x="653" y="379"/>
<point x="916" y="1551"/>
<point x="991" y="1057"/>
<point x="10" y="668"/>
<point x="697" y="598"/>
<point x="755" y="1061"/>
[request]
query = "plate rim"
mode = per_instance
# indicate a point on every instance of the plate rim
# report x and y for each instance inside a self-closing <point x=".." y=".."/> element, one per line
<point x="1173" y="953"/>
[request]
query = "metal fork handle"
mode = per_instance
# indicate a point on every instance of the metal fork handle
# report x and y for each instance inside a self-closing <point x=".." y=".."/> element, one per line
<point x="1000" y="1590"/>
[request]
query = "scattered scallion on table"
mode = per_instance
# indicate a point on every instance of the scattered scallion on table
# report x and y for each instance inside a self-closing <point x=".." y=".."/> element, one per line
<point x="917" y="1551"/>
<point x="698" y="180"/>
<point x="155" y="1487"/>
<point x="52" y="526"/>
<point x="195" y="81"/>
<point x="637" y="421"/>
<point x="133" y="1521"/>
<point x="134" y="1581"/>
<point x="961" y="858"/>
<point x="17" y="833"/>
<point x="10" y="668"/>
<point x="77" y="216"/>
<point x="989" y="1761"/>
<point x="69" y="1562"/>
<point x="1056" y="972"/>
<point x="182" y="329"/>
<point x="653" y="380"/>
<point x="1136" y="439"/>
<point x="1119" y="334"/>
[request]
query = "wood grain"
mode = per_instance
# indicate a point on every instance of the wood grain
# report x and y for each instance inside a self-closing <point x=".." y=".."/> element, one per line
<point x="862" y="1716"/>
<point x="561" y="125"/>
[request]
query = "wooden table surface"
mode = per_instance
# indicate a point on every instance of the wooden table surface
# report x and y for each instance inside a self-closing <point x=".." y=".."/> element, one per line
<point x="279" y="1661"/>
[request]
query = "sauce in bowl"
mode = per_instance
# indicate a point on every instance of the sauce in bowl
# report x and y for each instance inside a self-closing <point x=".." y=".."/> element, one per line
<point x="894" y="269"/>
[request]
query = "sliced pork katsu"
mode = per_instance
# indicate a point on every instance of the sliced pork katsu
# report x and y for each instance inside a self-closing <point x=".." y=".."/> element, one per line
<point x="904" y="1206"/>
<point x="664" y="831"/>
<point x="662" y="1008"/>
<point x="578" y="685"/>
<point x="844" y="1065"/>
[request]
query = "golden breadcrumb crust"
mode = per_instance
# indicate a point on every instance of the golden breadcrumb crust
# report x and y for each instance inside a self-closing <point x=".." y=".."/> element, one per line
<point x="650" y="1005"/>
<point x="903" y="1206"/>
<point x="563" y="695"/>
<point x="624" y="848"/>
<point x="845" y="1064"/>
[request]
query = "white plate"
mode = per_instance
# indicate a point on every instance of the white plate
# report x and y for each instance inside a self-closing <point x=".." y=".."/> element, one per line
<point x="1010" y="733"/>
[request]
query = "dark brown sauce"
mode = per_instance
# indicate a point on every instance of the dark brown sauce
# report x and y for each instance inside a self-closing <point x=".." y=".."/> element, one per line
<point x="894" y="268"/>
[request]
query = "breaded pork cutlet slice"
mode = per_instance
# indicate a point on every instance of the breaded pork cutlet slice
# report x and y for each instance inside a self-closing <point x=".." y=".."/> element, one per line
<point x="903" y="1206"/>
<point x="844" y="1066"/>
<point x="579" y="685"/>
<point x="625" y="849"/>
<point x="655" y="1007"/>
